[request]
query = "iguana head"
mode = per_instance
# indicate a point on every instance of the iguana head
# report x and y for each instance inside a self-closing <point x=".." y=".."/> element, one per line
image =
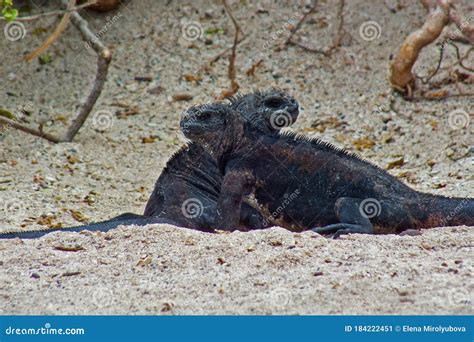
<point x="216" y="126"/>
<point x="267" y="111"/>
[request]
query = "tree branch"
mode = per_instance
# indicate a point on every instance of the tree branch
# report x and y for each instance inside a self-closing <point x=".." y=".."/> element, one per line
<point x="234" y="86"/>
<point x="441" y="13"/>
<point x="104" y="57"/>
<point x="47" y="14"/>
<point x="32" y="131"/>
<point x="401" y="76"/>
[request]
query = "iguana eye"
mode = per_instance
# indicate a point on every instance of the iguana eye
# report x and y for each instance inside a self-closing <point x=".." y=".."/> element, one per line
<point x="274" y="102"/>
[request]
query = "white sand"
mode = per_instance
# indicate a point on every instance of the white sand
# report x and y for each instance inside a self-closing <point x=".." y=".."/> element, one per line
<point x="344" y="98"/>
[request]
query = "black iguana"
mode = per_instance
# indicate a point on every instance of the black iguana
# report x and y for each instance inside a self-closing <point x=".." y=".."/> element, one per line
<point x="187" y="190"/>
<point x="301" y="183"/>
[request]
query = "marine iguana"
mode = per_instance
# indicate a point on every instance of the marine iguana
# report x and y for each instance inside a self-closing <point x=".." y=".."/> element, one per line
<point x="191" y="179"/>
<point x="310" y="183"/>
<point x="187" y="190"/>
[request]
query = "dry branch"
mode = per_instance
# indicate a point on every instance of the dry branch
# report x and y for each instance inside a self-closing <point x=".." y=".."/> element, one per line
<point x="463" y="25"/>
<point x="401" y="76"/>
<point x="234" y="86"/>
<point x="442" y="12"/>
<point x="300" y="22"/>
<point x="55" y="35"/>
<point x="26" y="129"/>
<point x="337" y="39"/>
<point x="104" y="58"/>
<point x="47" y="14"/>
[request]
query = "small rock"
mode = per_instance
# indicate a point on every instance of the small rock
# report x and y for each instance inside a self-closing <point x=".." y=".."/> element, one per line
<point x="182" y="97"/>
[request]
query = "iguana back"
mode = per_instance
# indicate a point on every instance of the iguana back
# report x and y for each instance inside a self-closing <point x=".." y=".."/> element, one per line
<point x="302" y="183"/>
<point x="187" y="190"/>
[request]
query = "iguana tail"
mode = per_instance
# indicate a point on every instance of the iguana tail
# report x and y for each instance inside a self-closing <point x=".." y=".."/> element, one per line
<point x="430" y="211"/>
<point x="104" y="226"/>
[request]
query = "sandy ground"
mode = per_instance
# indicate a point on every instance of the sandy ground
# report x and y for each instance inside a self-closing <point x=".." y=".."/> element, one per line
<point x="108" y="169"/>
<point x="162" y="269"/>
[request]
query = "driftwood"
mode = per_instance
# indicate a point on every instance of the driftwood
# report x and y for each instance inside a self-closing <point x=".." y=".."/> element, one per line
<point x="441" y="13"/>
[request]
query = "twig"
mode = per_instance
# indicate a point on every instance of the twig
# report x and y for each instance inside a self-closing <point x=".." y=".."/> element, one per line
<point x="439" y="98"/>
<point x="427" y="79"/>
<point x="234" y="86"/>
<point x="337" y="40"/>
<point x="104" y="57"/>
<point x="298" y="25"/>
<point x="462" y="24"/>
<point x="461" y="59"/>
<point x="46" y="14"/>
<point x="54" y="36"/>
<point x="310" y="49"/>
<point x="32" y="131"/>
<point x="340" y="27"/>
<point x="226" y="50"/>
<point x="442" y="12"/>
<point x="401" y="76"/>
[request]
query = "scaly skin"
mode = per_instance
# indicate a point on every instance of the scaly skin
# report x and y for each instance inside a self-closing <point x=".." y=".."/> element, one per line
<point x="301" y="183"/>
<point x="192" y="176"/>
<point x="104" y="226"/>
<point x="187" y="190"/>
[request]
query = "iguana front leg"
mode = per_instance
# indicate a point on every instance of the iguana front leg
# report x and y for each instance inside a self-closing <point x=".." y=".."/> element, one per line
<point x="350" y="213"/>
<point x="234" y="186"/>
